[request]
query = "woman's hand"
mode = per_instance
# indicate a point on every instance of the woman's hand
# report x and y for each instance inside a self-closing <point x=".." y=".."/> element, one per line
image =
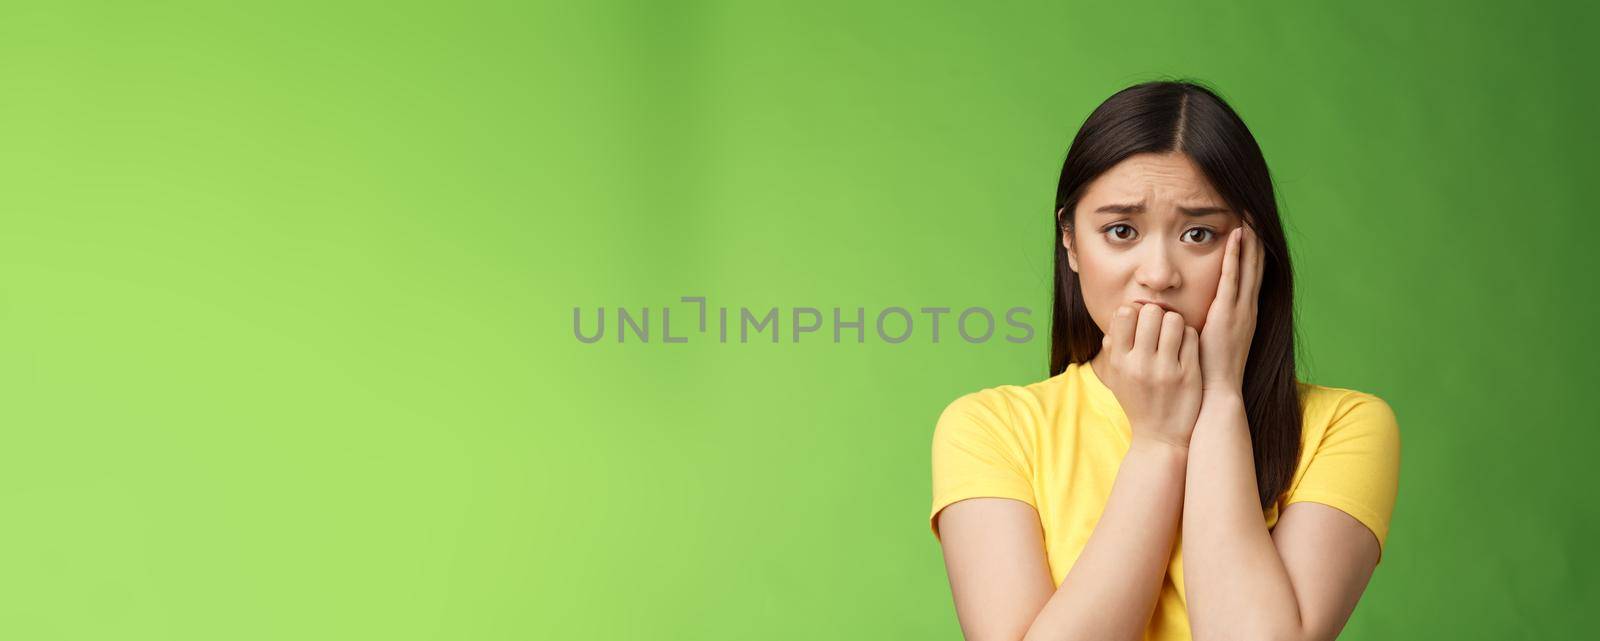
<point x="1154" y="371"/>
<point x="1231" y="320"/>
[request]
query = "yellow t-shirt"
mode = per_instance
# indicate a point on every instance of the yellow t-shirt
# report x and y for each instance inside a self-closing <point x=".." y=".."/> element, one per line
<point x="1057" y="444"/>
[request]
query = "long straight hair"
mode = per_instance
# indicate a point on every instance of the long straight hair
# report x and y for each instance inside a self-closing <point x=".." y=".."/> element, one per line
<point x="1163" y="117"/>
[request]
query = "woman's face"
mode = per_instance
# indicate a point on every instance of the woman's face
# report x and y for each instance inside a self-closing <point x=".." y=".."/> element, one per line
<point x="1151" y="228"/>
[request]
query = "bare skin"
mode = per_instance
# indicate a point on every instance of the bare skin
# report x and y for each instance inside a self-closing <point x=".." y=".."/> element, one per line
<point x="1174" y="378"/>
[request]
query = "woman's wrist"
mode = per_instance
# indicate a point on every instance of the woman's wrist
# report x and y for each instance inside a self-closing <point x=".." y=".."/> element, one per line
<point x="1215" y="398"/>
<point x="1164" y="445"/>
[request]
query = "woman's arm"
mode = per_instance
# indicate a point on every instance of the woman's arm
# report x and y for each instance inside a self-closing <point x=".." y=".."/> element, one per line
<point x="1300" y="581"/>
<point x="1112" y="587"/>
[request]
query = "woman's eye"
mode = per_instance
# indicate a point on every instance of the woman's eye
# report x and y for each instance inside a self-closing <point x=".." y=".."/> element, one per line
<point x="1205" y="234"/>
<point x="1113" y="229"/>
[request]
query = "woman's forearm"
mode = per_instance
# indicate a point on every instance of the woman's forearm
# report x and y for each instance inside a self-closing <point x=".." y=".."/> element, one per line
<point x="1112" y="587"/>
<point x="1237" y="585"/>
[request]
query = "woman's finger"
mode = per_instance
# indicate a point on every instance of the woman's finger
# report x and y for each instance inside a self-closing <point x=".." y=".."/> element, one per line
<point x="1122" y="330"/>
<point x="1257" y="266"/>
<point x="1246" y="250"/>
<point x="1149" y="330"/>
<point x="1248" y="255"/>
<point x="1190" y="358"/>
<point x="1171" y="337"/>
<point x="1228" y="283"/>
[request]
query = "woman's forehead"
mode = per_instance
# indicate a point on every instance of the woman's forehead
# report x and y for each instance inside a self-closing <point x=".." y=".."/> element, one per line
<point x="1155" y="181"/>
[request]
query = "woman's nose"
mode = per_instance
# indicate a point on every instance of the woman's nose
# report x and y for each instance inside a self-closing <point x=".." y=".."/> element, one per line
<point x="1157" y="272"/>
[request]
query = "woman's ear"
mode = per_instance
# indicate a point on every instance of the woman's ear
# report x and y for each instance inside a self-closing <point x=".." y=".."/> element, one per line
<point x="1066" y="239"/>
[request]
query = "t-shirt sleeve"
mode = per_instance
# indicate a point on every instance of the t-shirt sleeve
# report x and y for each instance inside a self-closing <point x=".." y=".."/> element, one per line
<point x="976" y="454"/>
<point x="1356" y="467"/>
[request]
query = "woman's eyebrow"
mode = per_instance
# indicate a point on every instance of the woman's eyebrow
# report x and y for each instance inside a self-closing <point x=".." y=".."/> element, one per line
<point x="1138" y="208"/>
<point x="1204" y="211"/>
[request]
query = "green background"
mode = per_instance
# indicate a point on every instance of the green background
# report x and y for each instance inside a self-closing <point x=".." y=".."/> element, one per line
<point x="286" y="341"/>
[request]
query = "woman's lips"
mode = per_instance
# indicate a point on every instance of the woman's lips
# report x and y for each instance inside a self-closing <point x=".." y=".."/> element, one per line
<point x="1161" y="305"/>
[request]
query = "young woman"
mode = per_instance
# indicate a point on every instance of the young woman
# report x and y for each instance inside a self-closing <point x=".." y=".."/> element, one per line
<point x="1172" y="479"/>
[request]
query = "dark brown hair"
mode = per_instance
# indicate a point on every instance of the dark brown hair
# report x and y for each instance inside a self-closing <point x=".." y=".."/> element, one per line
<point x="1168" y="116"/>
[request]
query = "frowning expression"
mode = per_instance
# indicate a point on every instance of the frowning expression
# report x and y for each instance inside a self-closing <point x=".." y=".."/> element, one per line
<point x="1151" y="228"/>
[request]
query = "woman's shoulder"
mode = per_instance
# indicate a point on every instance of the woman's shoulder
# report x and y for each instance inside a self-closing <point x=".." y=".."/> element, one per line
<point x="1015" y="406"/>
<point x="1318" y="394"/>
<point x="1012" y="394"/>
<point x="1328" y="408"/>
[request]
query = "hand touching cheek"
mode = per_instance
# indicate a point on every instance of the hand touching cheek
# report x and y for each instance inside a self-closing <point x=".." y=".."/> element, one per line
<point x="1231" y="321"/>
